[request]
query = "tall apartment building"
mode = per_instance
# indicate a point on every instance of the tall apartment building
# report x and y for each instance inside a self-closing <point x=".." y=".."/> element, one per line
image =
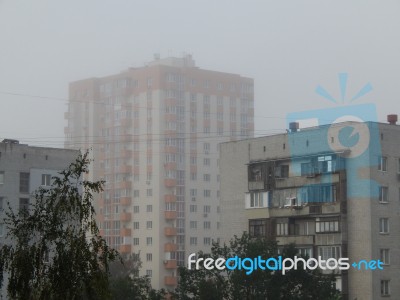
<point x="155" y="131"/>
<point x="305" y="187"/>
<point x="23" y="169"/>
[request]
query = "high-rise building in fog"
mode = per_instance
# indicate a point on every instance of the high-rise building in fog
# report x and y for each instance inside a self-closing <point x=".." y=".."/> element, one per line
<point x="155" y="131"/>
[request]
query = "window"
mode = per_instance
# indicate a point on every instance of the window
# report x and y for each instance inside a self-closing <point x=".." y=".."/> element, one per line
<point x="149" y="241"/>
<point x="207" y="177"/>
<point x="193" y="224"/>
<point x="149" y="208"/>
<point x="383" y="225"/>
<point x="206" y="161"/>
<point x="382" y="163"/>
<point x="149" y="224"/>
<point x="135" y="225"/>
<point x="327" y="252"/>
<point x="383" y="194"/>
<point x="46" y="179"/>
<point x="385" y="288"/>
<point x="207" y="209"/>
<point x="398" y="165"/>
<point x="136" y="209"/>
<point x="24" y="203"/>
<point x="256" y="199"/>
<point x="136" y="193"/>
<point x="385" y="256"/>
<point x="1" y="203"/>
<point x="207" y="193"/>
<point x="256" y="172"/>
<point x="305" y="252"/>
<point x="193" y="176"/>
<point x="207" y="225"/>
<point x="193" y="208"/>
<point x="282" y="229"/>
<point x="24" y="183"/>
<point x="193" y="240"/>
<point x="1" y="229"/>
<point x="135" y="241"/>
<point x="282" y="171"/>
<point x="149" y="256"/>
<point x="149" y="192"/>
<point x="327" y="226"/>
<point x="149" y="273"/>
<point x="318" y="193"/>
<point x="207" y="241"/>
<point x="1" y="177"/>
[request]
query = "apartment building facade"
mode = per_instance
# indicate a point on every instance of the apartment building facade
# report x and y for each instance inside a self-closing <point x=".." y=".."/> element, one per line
<point x="331" y="200"/>
<point x="155" y="131"/>
<point x="23" y="169"/>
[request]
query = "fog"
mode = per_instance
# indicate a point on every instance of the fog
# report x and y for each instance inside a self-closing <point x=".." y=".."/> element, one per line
<point x="288" y="47"/>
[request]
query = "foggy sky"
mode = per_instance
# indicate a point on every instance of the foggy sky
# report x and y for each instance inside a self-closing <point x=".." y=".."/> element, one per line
<point x="288" y="47"/>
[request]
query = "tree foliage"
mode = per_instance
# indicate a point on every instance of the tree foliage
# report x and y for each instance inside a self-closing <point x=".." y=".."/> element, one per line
<point x="54" y="249"/>
<point x="125" y="282"/>
<point x="260" y="284"/>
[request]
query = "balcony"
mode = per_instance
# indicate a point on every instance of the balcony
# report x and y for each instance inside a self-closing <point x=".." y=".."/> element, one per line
<point x="169" y="198"/>
<point x="296" y="239"/>
<point x="170" y="280"/>
<point x="300" y="181"/>
<point x="124" y="185"/>
<point x="170" y="264"/>
<point x="124" y="169"/>
<point x="125" y="249"/>
<point x="170" y="117"/>
<point x="171" y="149"/>
<point x="170" y="231"/>
<point x="126" y="153"/>
<point x="170" y="166"/>
<point x="126" y="122"/>
<point x="126" y="201"/>
<point x="256" y="185"/>
<point x="170" y="247"/>
<point x="170" y="215"/>
<point x="170" y="182"/>
<point x="125" y="232"/>
<point x="125" y="217"/>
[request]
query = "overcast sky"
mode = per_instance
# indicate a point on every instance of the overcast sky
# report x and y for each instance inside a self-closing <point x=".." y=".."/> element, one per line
<point x="288" y="47"/>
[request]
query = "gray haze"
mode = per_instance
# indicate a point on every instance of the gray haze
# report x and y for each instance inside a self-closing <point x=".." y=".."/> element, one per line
<point x="288" y="47"/>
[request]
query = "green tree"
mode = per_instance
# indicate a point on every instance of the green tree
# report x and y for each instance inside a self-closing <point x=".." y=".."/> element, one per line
<point x="125" y="282"/>
<point x="55" y="250"/>
<point x="260" y="284"/>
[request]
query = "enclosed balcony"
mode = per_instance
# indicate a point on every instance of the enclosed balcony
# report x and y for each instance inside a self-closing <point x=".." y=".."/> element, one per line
<point x="125" y="249"/>
<point x="169" y="198"/>
<point x="126" y="201"/>
<point x="170" y="280"/>
<point x="126" y="232"/>
<point x="170" y="231"/>
<point x="170" y="264"/>
<point x="170" y="182"/>
<point x="170" y="247"/>
<point x="125" y="217"/>
<point x="170" y="215"/>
